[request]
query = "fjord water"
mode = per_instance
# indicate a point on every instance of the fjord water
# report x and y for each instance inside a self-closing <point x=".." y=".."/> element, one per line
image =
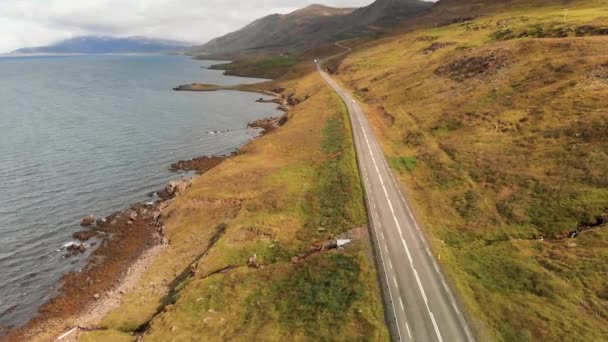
<point x="89" y="135"/>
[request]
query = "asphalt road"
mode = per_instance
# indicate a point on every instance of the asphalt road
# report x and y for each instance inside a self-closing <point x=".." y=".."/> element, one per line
<point x="416" y="293"/>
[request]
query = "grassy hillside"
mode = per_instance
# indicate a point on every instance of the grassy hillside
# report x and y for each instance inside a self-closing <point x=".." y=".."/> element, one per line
<point x="270" y="67"/>
<point x="498" y="125"/>
<point x="308" y="28"/>
<point x="296" y="187"/>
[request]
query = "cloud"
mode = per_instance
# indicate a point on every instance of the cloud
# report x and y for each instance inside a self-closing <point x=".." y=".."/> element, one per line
<point x="35" y="22"/>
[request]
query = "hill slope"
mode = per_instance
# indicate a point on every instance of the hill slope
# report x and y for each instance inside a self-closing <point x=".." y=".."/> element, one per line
<point x="101" y="45"/>
<point x="495" y="117"/>
<point x="310" y="27"/>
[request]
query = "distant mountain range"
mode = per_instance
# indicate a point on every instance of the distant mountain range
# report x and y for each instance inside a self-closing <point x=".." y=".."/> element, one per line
<point x="102" y="45"/>
<point x="310" y="27"/>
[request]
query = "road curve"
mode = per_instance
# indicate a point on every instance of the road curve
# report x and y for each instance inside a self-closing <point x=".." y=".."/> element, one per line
<point x="420" y="305"/>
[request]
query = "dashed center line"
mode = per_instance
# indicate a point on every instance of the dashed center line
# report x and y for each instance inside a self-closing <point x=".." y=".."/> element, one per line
<point x="356" y="114"/>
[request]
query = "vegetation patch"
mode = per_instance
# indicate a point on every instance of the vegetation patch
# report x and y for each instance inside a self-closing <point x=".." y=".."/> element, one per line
<point x="549" y="31"/>
<point x="511" y="177"/>
<point x="320" y="293"/>
<point x="269" y="67"/>
<point x="336" y="204"/>
<point x="475" y="66"/>
<point x="404" y="164"/>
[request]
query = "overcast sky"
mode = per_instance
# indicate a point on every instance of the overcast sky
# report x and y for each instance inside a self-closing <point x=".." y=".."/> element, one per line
<point x="27" y="23"/>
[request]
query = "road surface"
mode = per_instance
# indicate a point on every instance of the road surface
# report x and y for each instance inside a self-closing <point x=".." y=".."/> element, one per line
<point x="416" y="294"/>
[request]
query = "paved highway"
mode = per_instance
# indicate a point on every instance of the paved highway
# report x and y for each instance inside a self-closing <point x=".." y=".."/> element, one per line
<point x="418" y="299"/>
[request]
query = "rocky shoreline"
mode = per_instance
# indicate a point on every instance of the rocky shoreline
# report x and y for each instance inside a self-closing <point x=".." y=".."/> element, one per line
<point x="122" y="237"/>
<point x="199" y="165"/>
<point x="121" y="240"/>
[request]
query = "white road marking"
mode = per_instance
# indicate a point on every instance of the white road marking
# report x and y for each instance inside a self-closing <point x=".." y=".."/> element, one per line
<point x="395" y="281"/>
<point x="420" y="287"/>
<point x="466" y="330"/>
<point x="436" y="328"/>
<point x="455" y="308"/>
<point x="409" y="333"/>
<point x="390" y="293"/>
<point x="390" y="263"/>
<point x="407" y="251"/>
<point x="355" y="114"/>
<point x="401" y="302"/>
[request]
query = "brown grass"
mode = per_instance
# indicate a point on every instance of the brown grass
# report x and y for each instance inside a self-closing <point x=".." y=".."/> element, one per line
<point x="509" y="143"/>
<point x="265" y="197"/>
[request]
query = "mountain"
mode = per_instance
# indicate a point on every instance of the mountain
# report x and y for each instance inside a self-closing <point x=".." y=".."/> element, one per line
<point x="101" y="45"/>
<point x="310" y="27"/>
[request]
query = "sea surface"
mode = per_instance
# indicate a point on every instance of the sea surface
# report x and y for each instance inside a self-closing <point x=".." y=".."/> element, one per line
<point x="90" y="135"/>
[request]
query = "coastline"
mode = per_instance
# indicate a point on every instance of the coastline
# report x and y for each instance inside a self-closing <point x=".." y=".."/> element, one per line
<point x="128" y="242"/>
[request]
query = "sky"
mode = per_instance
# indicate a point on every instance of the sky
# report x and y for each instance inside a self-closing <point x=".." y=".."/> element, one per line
<point x="28" y="23"/>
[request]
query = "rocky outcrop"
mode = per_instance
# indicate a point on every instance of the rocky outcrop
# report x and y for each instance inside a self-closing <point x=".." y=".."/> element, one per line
<point x="84" y="235"/>
<point x="475" y="66"/>
<point x="76" y="248"/>
<point x="87" y="220"/>
<point x="200" y="165"/>
<point x="269" y="124"/>
<point x="174" y="188"/>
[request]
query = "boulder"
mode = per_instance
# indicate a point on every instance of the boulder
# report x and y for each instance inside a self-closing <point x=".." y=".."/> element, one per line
<point x="76" y="248"/>
<point x="87" y="220"/>
<point x="175" y="188"/>
<point x="84" y="235"/>
<point x="132" y="215"/>
<point x="253" y="262"/>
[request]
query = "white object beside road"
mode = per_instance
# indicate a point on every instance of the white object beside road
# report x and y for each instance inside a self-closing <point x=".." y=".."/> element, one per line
<point x="343" y="242"/>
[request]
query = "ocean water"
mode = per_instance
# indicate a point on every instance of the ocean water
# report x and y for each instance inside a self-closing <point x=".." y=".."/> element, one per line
<point x="90" y="135"/>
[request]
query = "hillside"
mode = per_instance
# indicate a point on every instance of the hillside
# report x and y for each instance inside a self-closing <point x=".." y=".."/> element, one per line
<point x="310" y="27"/>
<point x="102" y="45"/>
<point x="494" y="115"/>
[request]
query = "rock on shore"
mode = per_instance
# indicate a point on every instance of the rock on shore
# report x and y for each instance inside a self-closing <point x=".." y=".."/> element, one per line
<point x="87" y="220"/>
<point x="84" y="235"/>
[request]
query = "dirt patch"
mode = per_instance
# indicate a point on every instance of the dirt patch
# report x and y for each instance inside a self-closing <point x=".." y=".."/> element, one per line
<point x="590" y="30"/>
<point x="600" y="72"/>
<point x="475" y="66"/>
<point x="457" y="20"/>
<point x="387" y="117"/>
<point x="341" y="241"/>
<point x="436" y="46"/>
<point x="540" y="31"/>
<point x="425" y="38"/>
<point x="200" y="165"/>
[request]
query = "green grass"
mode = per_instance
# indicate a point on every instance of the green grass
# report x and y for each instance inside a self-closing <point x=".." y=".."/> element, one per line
<point x="503" y="159"/>
<point x="319" y="294"/>
<point x="404" y="164"/>
<point x="336" y="204"/>
<point x="269" y="67"/>
<point x="273" y="198"/>
<point x="276" y="62"/>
